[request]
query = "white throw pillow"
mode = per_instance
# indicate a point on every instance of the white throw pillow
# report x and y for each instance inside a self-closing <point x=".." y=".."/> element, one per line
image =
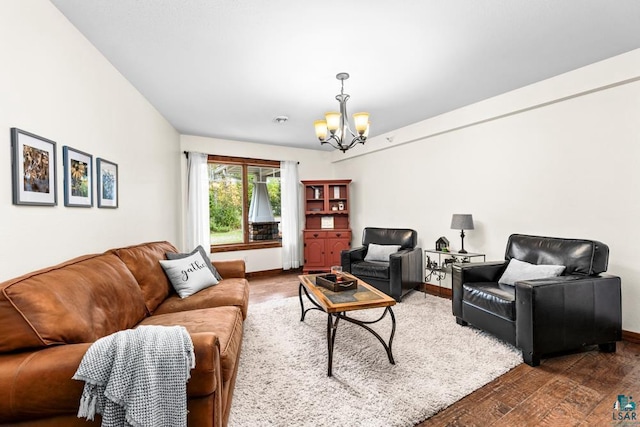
<point x="380" y="252"/>
<point x="188" y="275"/>
<point x="519" y="270"/>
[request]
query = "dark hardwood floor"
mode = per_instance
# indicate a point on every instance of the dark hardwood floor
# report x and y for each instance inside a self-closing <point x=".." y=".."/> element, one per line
<point x="577" y="389"/>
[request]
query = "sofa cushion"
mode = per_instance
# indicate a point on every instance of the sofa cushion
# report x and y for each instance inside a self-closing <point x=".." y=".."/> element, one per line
<point x="377" y="269"/>
<point x="519" y="270"/>
<point x="142" y="260"/>
<point x="188" y="275"/>
<point x="229" y="292"/>
<point x="224" y="322"/>
<point x="380" y="252"/>
<point x="78" y="301"/>
<point x="492" y="297"/>
<point x="205" y="257"/>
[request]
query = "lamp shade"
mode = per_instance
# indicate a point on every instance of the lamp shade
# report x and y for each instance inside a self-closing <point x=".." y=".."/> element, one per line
<point x="333" y="121"/>
<point x="321" y="129"/>
<point x="462" y="222"/>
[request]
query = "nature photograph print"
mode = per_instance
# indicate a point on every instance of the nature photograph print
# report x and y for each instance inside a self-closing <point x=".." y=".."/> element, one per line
<point x="108" y="184"/>
<point x="36" y="170"/>
<point x="79" y="178"/>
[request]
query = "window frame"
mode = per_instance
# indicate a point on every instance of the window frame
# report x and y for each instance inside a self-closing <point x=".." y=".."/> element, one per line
<point x="245" y="162"/>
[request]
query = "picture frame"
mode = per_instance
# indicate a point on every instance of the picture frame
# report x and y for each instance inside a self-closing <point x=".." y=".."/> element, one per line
<point x="33" y="167"/>
<point x="326" y="222"/>
<point x="107" y="183"/>
<point x="78" y="178"/>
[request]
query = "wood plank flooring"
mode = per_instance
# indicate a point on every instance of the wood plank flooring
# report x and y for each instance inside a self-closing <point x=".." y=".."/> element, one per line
<point x="571" y="390"/>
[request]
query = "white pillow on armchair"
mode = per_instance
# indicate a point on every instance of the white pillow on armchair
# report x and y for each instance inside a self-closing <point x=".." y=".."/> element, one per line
<point x="380" y="252"/>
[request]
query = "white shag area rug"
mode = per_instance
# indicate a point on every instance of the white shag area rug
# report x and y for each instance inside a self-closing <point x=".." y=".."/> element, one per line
<point x="282" y="378"/>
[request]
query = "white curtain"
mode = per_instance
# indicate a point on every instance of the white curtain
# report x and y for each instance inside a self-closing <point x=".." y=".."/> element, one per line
<point x="290" y="209"/>
<point x="197" y="202"/>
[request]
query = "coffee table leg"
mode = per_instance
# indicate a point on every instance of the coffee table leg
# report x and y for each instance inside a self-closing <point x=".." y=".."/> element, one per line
<point x="331" y="339"/>
<point x="364" y="324"/>
<point x="301" y="289"/>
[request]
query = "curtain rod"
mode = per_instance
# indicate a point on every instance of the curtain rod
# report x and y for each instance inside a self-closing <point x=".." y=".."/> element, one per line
<point x="186" y="153"/>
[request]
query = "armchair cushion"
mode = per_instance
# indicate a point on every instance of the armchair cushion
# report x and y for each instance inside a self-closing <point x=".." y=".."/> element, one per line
<point x="519" y="270"/>
<point x="377" y="252"/>
<point x="492" y="297"/>
<point x="377" y="269"/>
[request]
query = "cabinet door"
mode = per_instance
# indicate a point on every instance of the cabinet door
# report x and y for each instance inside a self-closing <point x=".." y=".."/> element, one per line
<point x="334" y="248"/>
<point x="314" y="253"/>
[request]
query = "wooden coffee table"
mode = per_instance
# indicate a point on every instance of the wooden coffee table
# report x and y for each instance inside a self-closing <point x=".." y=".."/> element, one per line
<point x="336" y="304"/>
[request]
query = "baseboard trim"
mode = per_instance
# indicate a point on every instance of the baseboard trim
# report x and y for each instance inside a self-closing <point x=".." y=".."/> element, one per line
<point x="436" y="290"/>
<point x="273" y="272"/>
<point x="629" y="336"/>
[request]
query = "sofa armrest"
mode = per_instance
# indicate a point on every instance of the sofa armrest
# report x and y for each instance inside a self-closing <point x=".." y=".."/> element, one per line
<point x="567" y="312"/>
<point x="38" y="384"/>
<point x="469" y="272"/>
<point x="234" y="268"/>
<point x="349" y="255"/>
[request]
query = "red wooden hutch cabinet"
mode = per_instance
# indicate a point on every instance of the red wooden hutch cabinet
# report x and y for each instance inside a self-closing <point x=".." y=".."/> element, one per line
<point x="326" y="231"/>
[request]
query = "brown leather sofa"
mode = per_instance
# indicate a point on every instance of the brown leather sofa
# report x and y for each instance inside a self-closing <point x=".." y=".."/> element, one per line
<point x="50" y="317"/>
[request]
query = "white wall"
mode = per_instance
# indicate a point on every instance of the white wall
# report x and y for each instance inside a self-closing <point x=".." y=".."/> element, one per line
<point x="313" y="164"/>
<point x="557" y="158"/>
<point x="55" y="84"/>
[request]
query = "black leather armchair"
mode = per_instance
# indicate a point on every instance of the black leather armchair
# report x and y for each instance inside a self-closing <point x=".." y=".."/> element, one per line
<point x="581" y="307"/>
<point x="401" y="274"/>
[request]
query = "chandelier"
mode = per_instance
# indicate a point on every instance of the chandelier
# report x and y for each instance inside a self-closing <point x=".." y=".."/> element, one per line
<point x="336" y="124"/>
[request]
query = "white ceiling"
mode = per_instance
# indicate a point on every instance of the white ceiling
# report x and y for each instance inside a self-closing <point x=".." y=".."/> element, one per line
<point x="227" y="68"/>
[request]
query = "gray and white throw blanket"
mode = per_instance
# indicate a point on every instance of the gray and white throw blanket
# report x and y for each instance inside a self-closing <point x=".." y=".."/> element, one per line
<point x="138" y="377"/>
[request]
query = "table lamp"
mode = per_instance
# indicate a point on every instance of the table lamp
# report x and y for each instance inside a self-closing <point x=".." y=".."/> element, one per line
<point x="462" y="222"/>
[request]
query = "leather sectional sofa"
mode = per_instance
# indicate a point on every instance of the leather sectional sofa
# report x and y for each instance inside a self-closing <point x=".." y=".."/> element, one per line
<point x="50" y="317"/>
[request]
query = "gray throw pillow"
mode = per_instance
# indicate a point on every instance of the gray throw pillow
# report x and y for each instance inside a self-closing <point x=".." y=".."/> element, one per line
<point x="188" y="275"/>
<point x="519" y="270"/>
<point x="377" y="252"/>
<point x="200" y="249"/>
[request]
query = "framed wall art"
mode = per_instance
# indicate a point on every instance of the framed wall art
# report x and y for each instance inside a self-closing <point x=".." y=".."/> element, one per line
<point x="107" y="173"/>
<point x="78" y="182"/>
<point x="33" y="167"/>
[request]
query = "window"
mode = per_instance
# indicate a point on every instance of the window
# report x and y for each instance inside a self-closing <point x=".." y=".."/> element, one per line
<point x="244" y="203"/>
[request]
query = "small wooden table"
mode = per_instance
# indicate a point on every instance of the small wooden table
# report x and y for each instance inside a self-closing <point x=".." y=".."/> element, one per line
<point x="336" y="304"/>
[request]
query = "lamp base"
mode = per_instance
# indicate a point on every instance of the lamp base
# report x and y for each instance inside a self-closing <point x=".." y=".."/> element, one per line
<point x="462" y="251"/>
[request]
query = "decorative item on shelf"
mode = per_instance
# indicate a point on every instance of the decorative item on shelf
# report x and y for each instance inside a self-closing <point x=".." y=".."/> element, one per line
<point x="336" y="192"/>
<point x="326" y="222"/>
<point x="334" y="207"/>
<point x="337" y="124"/>
<point x="316" y="193"/>
<point x="341" y="206"/>
<point x="442" y="244"/>
<point x="462" y="222"/>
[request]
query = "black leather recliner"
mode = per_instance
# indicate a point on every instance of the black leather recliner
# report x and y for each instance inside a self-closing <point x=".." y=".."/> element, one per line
<point x="401" y="274"/>
<point x="581" y="307"/>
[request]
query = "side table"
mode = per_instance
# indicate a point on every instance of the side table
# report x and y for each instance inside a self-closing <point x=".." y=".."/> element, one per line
<point x="439" y="269"/>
